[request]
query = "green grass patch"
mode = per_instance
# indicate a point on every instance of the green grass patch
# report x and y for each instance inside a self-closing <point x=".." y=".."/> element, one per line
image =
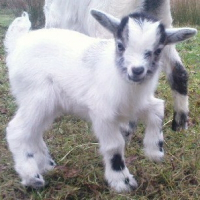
<point x="6" y="17"/>
<point x="79" y="174"/>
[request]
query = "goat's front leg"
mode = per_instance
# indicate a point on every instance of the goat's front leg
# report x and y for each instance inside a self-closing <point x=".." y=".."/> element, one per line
<point x="112" y="148"/>
<point x="153" y="140"/>
<point x="178" y="79"/>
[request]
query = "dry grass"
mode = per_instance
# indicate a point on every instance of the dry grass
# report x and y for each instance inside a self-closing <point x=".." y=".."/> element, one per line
<point x="80" y="170"/>
<point x="186" y="11"/>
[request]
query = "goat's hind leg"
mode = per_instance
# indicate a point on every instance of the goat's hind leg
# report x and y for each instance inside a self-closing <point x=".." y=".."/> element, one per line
<point x="24" y="137"/>
<point x="178" y="79"/>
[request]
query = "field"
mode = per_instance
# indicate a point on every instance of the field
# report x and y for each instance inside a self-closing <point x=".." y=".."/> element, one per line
<point x="186" y="11"/>
<point x="79" y="174"/>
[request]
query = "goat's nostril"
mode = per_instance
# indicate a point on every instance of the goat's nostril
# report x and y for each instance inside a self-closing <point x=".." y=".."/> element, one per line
<point x="137" y="70"/>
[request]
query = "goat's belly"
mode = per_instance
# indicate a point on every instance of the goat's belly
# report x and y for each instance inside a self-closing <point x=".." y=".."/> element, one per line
<point x="76" y="110"/>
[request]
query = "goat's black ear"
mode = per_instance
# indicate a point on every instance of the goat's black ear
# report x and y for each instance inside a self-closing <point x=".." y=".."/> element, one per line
<point x="175" y="35"/>
<point x="108" y="21"/>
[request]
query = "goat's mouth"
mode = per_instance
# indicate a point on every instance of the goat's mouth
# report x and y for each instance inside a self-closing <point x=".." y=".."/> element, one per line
<point x="136" y="79"/>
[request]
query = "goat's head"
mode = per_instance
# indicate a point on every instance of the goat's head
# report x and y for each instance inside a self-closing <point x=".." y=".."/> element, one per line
<point x="140" y="40"/>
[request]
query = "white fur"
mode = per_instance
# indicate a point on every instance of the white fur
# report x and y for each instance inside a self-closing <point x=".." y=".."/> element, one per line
<point x="54" y="72"/>
<point x="74" y="15"/>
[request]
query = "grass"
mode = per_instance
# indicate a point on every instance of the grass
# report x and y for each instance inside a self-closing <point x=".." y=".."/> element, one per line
<point x="79" y="174"/>
<point x="186" y="11"/>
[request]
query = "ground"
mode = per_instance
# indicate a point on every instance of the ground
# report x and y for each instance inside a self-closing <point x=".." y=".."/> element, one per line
<point x="79" y="174"/>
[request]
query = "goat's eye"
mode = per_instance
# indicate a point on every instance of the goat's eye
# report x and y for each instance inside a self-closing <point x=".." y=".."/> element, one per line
<point x="157" y="52"/>
<point x="120" y="47"/>
<point x="148" y="54"/>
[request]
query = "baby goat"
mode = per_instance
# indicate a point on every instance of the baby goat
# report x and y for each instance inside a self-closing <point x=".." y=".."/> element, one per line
<point x="107" y="81"/>
<point x="74" y="15"/>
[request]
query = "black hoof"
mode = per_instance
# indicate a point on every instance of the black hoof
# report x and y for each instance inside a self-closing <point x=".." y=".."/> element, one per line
<point x="180" y="121"/>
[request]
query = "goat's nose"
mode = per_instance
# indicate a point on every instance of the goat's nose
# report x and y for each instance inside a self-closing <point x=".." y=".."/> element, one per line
<point x="137" y="70"/>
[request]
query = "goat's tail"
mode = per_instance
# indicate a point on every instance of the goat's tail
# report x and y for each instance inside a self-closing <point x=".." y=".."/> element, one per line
<point x="19" y="27"/>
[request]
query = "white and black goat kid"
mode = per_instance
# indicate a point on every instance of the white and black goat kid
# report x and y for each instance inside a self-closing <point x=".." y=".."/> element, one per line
<point x="74" y="15"/>
<point x="107" y="81"/>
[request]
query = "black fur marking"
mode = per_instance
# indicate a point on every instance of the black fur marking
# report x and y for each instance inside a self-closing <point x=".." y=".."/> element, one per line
<point x="160" y="145"/>
<point x="126" y="181"/>
<point x="152" y="6"/>
<point x="182" y="121"/>
<point x="127" y="133"/>
<point x="132" y="125"/>
<point x="162" y="32"/>
<point x="37" y="176"/>
<point x="179" y="78"/>
<point x="30" y="155"/>
<point x="159" y="44"/>
<point x="120" y="64"/>
<point x="155" y="61"/>
<point x="51" y="163"/>
<point x="117" y="163"/>
<point x="147" y="54"/>
<point x="121" y="28"/>
<point x="141" y="17"/>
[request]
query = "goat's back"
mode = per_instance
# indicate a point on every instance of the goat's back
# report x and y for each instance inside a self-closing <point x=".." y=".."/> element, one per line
<point x="51" y="44"/>
<point x="75" y="15"/>
<point x="63" y="56"/>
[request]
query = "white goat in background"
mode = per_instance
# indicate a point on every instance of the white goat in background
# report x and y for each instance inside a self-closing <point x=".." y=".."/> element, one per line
<point x="107" y="81"/>
<point x="74" y="15"/>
